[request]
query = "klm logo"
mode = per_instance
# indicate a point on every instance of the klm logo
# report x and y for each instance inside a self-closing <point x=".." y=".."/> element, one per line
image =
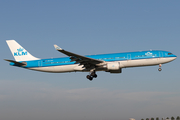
<point x="148" y="54"/>
<point x="20" y="52"/>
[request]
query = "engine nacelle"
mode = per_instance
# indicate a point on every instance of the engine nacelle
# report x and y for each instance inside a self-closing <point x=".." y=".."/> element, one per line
<point x="113" y="67"/>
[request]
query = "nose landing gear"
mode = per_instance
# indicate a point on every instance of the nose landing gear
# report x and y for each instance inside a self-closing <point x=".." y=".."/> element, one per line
<point x="92" y="75"/>
<point x="160" y="68"/>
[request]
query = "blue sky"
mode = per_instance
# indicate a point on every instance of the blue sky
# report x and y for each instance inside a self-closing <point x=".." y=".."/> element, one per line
<point x="89" y="27"/>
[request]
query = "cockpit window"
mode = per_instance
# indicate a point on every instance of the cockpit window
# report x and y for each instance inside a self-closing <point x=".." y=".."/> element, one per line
<point x="169" y="53"/>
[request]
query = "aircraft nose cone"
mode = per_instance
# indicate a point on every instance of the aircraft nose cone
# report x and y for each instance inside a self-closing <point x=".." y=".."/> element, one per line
<point x="174" y="57"/>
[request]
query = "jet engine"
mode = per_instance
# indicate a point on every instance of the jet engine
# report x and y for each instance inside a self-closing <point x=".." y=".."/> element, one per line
<point x="113" y="67"/>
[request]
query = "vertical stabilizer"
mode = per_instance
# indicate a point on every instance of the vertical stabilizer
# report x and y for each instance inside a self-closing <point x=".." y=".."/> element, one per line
<point x="19" y="53"/>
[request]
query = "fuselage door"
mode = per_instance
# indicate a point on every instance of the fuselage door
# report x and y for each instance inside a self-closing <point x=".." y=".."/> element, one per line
<point x="128" y="56"/>
<point x="160" y="54"/>
<point x="40" y="63"/>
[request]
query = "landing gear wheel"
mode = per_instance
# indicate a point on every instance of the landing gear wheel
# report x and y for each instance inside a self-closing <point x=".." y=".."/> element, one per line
<point x="92" y="75"/>
<point x="160" y="69"/>
<point x="95" y="76"/>
<point x="89" y="77"/>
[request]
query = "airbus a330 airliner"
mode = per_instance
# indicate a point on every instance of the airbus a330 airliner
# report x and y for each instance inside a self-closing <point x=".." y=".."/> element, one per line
<point x="112" y="63"/>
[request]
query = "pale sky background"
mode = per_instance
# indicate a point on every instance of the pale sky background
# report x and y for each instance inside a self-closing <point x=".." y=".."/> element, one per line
<point x="89" y="27"/>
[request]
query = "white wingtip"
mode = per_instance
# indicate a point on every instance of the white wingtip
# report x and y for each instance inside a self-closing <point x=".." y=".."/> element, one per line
<point x="57" y="47"/>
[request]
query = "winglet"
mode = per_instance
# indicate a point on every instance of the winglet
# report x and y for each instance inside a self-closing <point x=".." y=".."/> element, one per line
<point x="57" y="47"/>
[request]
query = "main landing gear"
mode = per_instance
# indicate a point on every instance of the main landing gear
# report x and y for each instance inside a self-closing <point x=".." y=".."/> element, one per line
<point x="92" y="75"/>
<point x="160" y="68"/>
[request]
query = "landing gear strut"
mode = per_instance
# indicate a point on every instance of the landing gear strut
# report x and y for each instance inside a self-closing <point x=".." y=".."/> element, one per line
<point x="92" y="75"/>
<point x="159" y="67"/>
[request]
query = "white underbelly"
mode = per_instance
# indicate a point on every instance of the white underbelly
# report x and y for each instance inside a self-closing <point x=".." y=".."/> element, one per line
<point x="56" y="69"/>
<point x="145" y="62"/>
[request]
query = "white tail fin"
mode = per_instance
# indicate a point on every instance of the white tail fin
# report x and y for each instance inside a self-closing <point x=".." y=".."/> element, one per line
<point x="19" y="53"/>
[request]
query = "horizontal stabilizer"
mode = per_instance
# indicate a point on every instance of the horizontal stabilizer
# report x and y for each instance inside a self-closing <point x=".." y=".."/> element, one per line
<point x="18" y="63"/>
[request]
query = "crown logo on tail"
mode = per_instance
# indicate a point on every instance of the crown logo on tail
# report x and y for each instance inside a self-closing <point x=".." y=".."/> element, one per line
<point x="20" y="52"/>
<point x="20" y="49"/>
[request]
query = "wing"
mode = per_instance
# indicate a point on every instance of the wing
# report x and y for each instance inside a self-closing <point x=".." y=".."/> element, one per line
<point x="82" y="60"/>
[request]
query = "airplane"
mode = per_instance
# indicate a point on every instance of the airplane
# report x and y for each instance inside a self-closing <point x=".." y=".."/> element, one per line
<point x="112" y="63"/>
